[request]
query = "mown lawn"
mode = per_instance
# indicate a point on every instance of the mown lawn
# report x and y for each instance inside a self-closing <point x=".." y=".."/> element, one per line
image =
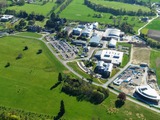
<point x="26" y="83"/>
<point x="120" y="5"/>
<point x="77" y="11"/>
<point x="30" y="34"/>
<point x="155" y="62"/>
<point x="126" y="57"/>
<point x="38" y="9"/>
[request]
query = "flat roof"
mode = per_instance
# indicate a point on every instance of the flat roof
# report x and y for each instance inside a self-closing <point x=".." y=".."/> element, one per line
<point x="95" y="39"/>
<point x="114" y="56"/>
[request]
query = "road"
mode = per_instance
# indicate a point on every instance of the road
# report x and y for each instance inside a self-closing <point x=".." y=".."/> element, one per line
<point x="139" y="30"/>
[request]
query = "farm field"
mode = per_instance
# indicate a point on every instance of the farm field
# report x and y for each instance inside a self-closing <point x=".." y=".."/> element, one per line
<point x="155" y="62"/>
<point x="77" y="11"/>
<point x="140" y="55"/>
<point x="120" y="5"/>
<point x="26" y="83"/>
<point x="30" y="34"/>
<point x="38" y="9"/>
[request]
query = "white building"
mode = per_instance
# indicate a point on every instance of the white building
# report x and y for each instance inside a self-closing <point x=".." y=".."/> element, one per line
<point x="95" y="25"/>
<point x="105" y="69"/>
<point x="110" y="56"/>
<point x="112" y="33"/>
<point x="112" y="43"/>
<point x="148" y="94"/>
<point x="5" y="18"/>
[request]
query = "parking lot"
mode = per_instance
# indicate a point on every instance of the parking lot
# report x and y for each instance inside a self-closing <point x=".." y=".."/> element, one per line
<point x="65" y="49"/>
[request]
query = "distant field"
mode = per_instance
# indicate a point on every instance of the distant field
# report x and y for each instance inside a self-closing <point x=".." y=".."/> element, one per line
<point x="120" y="5"/>
<point x="38" y="9"/>
<point x="155" y="62"/>
<point x="77" y="11"/>
<point x="30" y="34"/>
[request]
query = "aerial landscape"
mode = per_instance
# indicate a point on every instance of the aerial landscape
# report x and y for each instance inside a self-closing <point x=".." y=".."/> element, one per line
<point x="79" y="59"/>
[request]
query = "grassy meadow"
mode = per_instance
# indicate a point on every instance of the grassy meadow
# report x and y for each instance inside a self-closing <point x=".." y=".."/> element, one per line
<point x="77" y="11"/>
<point x="36" y="8"/>
<point x="26" y="83"/>
<point x="120" y="5"/>
<point x="30" y="34"/>
<point x="154" y="25"/>
<point x="155" y="62"/>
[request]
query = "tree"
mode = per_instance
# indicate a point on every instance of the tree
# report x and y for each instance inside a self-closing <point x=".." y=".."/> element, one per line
<point x="122" y="96"/>
<point x="21" y="2"/>
<point x="22" y="23"/>
<point x="60" y="79"/>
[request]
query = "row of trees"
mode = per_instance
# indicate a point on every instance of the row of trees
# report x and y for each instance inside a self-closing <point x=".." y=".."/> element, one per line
<point x="149" y="42"/>
<point x="84" y="91"/>
<point x="138" y="2"/>
<point x="101" y="8"/>
<point x="24" y="14"/>
<point x="55" y="23"/>
<point x="64" y="6"/>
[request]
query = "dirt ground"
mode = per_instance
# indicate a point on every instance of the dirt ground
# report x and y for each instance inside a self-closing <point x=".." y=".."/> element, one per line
<point x="141" y="55"/>
<point x="154" y="34"/>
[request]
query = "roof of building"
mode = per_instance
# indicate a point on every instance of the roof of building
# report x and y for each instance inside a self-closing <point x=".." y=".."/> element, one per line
<point x="108" y="67"/>
<point x="98" y="53"/>
<point x="112" y="32"/>
<point x="95" y="39"/>
<point x="105" y="66"/>
<point x="79" y="42"/>
<point x="112" y="42"/>
<point x="114" y="56"/>
<point x="77" y="29"/>
<point x="148" y="92"/>
<point x="7" y="17"/>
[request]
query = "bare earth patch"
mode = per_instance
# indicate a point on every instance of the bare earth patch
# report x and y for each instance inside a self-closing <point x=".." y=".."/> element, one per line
<point x="154" y="34"/>
<point x="141" y="55"/>
<point x="66" y="71"/>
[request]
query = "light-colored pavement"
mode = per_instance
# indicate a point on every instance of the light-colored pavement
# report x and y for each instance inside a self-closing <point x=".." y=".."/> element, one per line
<point x="139" y="30"/>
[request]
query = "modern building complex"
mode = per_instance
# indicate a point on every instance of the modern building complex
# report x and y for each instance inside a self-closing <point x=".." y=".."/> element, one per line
<point x="112" y="43"/>
<point x="148" y="94"/>
<point x="112" y="33"/>
<point x="104" y="69"/>
<point x="110" y="56"/>
<point x="95" y="41"/>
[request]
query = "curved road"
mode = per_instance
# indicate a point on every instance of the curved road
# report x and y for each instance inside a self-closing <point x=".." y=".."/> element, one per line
<point x="139" y="30"/>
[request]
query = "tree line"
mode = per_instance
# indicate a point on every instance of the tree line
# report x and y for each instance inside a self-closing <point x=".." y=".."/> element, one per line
<point x="138" y="2"/>
<point x="101" y="8"/>
<point x="64" y="5"/>
<point x="149" y="42"/>
<point x="84" y="90"/>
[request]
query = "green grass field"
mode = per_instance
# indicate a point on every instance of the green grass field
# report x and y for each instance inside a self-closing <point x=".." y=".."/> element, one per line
<point x="38" y="9"/>
<point x="125" y="57"/>
<point x="77" y="11"/>
<point x="120" y="5"/>
<point x="30" y="34"/>
<point x="26" y="82"/>
<point x="155" y="62"/>
<point x="154" y="25"/>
